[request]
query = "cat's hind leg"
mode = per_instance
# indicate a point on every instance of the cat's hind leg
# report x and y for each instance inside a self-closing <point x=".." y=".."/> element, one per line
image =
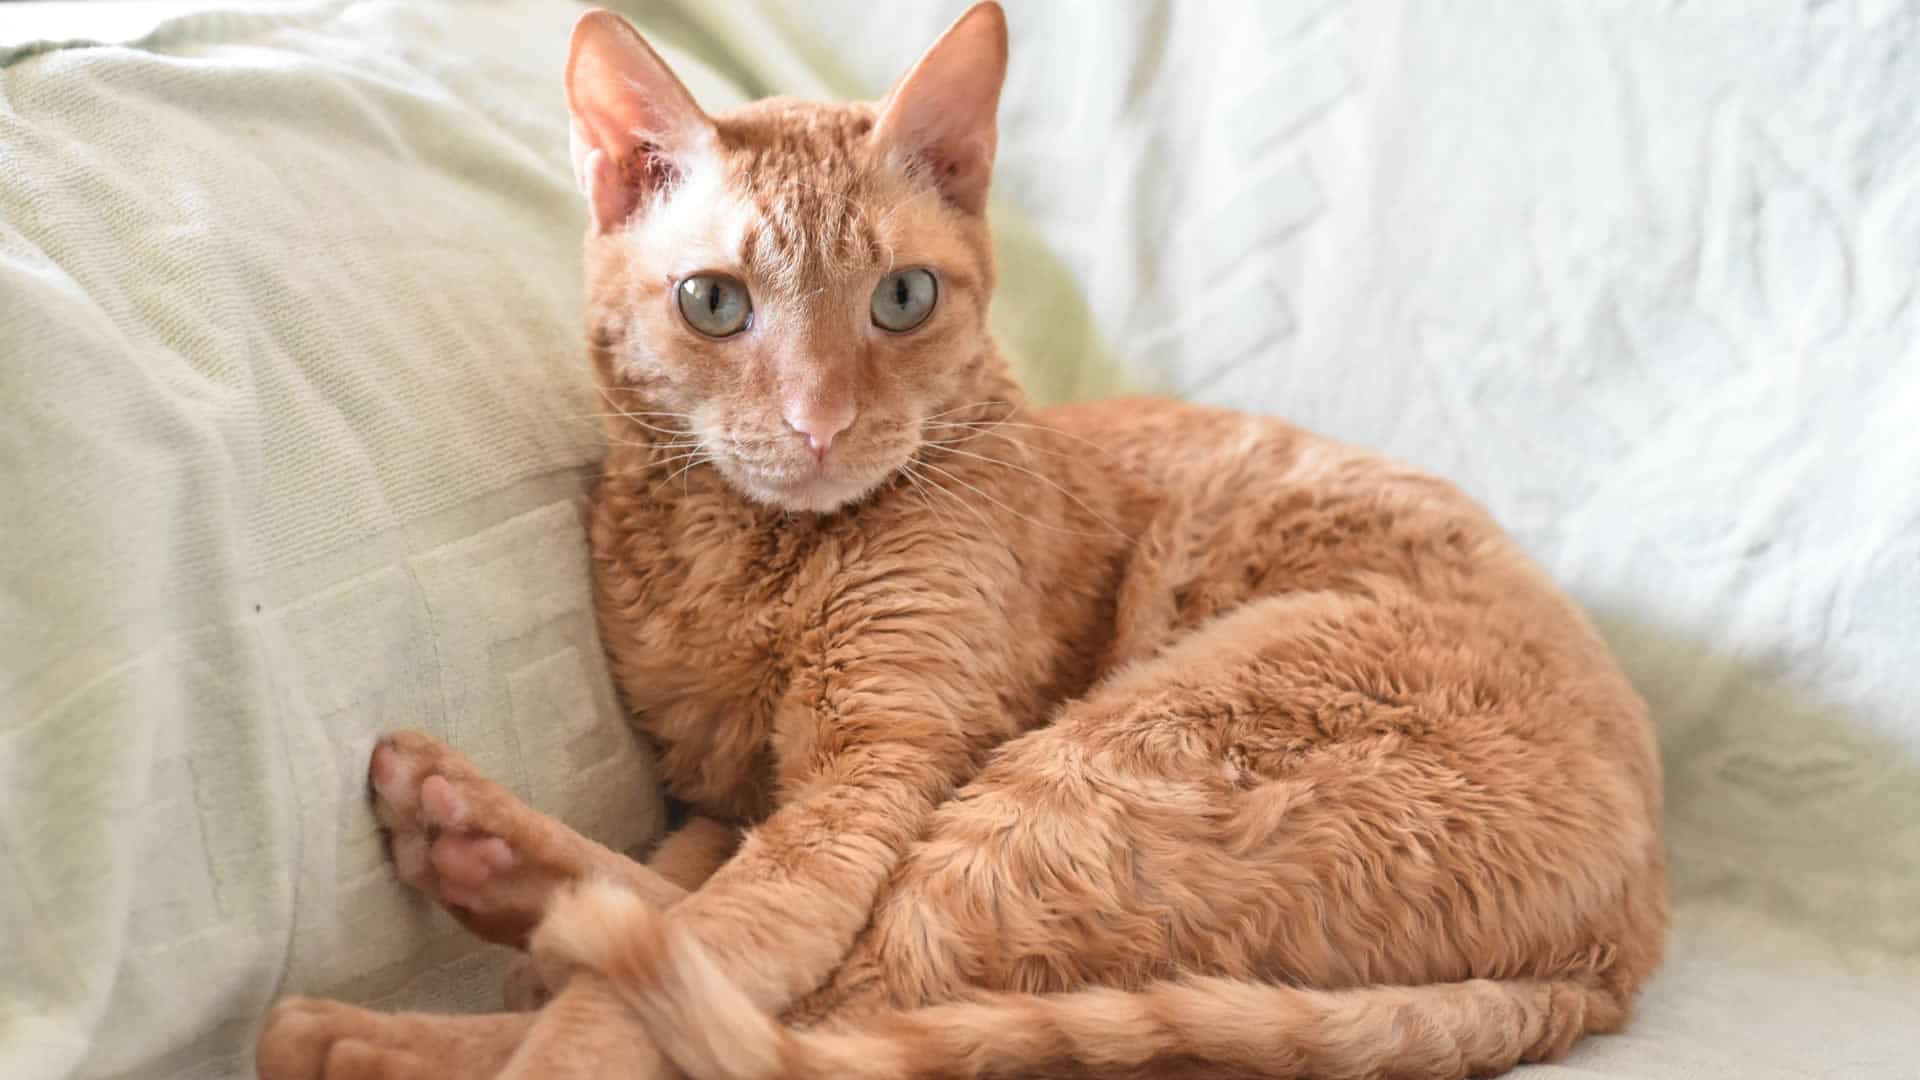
<point x="492" y="861"/>
<point x="690" y="854"/>
<point x="586" y="1033"/>
<point x="1288" y="844"/>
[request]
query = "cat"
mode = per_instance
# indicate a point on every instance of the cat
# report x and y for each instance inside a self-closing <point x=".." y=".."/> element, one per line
<point x="1120" y="738"/>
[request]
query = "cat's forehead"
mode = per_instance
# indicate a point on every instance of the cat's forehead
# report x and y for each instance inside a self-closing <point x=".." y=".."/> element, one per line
<point x="812" y="201"/>
<point x="793" y="197"/>
<point x="781" y="135"/>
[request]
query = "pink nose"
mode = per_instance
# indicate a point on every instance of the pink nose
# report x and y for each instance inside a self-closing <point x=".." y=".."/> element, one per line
<point x="819" y="428"/>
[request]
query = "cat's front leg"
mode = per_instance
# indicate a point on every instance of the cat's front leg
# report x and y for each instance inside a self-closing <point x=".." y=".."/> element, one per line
<point x="863" y="773"/>
<point x="492" y="861"/>
<point x="309" y="1039"/>
<point x="584" y="1034"/>
<point x="687" y="857"/>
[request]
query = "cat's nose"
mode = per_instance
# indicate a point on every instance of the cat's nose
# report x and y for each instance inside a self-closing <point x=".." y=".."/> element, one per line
<point x="820" y="428"/>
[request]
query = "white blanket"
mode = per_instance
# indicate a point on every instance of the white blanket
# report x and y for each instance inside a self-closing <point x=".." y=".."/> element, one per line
<point x="295" y="428"/>
<point x="1640" y="277"/>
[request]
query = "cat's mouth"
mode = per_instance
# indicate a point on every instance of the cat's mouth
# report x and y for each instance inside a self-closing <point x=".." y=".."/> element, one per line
<point x="769" y="472"/>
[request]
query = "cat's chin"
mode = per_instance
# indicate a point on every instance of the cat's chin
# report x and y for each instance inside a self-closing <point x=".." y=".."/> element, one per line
<point x="822" y="493"/>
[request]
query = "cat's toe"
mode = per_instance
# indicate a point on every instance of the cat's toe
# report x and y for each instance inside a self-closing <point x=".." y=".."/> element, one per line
<point x="308" y="1039"/>
<point x="353" y="1059"/>
<point x="468" y="862"/>
<point x="459" y="837"/>
<point x="429" y="800"/>
<point x="311" y="1039"/>
<point x="291" y="1045"/>
<point x="400" y="770"/>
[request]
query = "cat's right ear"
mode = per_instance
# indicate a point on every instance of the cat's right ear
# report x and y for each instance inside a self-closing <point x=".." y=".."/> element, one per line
<point x="634" y="125"/>
<point x="940" y="115"/>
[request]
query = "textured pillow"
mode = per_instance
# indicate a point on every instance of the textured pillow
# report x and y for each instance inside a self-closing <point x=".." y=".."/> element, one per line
<point x="296" y="432"/>
<point x="287" y="319"/>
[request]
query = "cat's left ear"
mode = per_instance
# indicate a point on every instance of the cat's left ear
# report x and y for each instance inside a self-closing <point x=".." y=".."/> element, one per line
<point x="941" y="115"/>
<point x="634" y="125"/>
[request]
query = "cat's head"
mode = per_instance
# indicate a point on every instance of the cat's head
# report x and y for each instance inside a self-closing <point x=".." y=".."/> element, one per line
<point x="799" y="288"/>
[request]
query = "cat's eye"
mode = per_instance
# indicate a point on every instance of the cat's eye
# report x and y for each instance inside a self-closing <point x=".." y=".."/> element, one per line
<point x="904" y="299"/>
<point x="716" y="305"/>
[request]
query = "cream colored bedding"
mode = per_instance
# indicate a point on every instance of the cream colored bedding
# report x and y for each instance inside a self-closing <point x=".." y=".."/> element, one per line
<point x="293" y="439"/>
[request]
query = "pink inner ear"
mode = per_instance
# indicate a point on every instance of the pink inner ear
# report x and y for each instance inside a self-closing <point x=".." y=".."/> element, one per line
<point x="958" y="159"/>
<point x="614" y="193"/>
<point x="941" y="114"/>
<point x="610" y="200"/>
<point x="631" y="116"/>
<point x="962" y="163"/>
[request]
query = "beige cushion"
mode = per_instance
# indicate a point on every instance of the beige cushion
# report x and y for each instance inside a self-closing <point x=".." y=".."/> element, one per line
<point x="290" y="321"/>
<point x="295" y="442"/>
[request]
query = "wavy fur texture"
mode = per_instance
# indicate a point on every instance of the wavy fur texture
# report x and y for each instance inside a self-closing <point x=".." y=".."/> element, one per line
<point x="1125" y="738"/>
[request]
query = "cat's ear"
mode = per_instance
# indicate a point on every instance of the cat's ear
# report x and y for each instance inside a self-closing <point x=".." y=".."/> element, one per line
<point x="634" y="126"/>
<point x="941" y="114"/>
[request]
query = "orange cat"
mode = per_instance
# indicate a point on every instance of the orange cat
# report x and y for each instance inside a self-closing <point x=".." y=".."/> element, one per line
<point x="1126" y="738"/>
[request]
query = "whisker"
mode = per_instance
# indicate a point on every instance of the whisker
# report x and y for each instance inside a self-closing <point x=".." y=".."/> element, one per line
<point x="990" y="424"/>
<point x="920" y="490"/>
<point x="686" y="460"/>
<point x="697" y="459"/>
<point x="1017" y="514"/>
<point x="691" y="455"/>
<point x="628" y="415"/>
<point x="969" y="507"/>
<point x="960" y="408"/>
<point x="680" y="444"/>
<point x="1045" y="479"/>
<point x="982" y="433"/>
<point x="634" y="416"/>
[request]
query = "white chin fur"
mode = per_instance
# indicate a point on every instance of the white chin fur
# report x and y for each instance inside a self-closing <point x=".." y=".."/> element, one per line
<point x="822" y="495"/>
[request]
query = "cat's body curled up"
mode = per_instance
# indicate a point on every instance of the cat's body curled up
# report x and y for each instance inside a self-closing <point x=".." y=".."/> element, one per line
<point x="1116" y="739"/>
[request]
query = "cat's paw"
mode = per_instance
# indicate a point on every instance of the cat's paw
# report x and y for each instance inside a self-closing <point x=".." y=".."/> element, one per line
<point x="308" y="1039"/>
<point x="458" y="837"/>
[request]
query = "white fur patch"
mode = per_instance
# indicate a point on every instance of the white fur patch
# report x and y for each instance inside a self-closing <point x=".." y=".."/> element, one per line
<point x="697" y="224"/>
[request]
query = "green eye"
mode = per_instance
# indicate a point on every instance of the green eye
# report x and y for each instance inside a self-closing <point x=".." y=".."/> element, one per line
<point x="904" y="299"/>
<point x="714" y="305"/>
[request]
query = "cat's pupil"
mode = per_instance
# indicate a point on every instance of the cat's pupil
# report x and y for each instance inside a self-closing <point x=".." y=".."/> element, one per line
<point x="713" y="299"/>
<point x="900" y="291"/>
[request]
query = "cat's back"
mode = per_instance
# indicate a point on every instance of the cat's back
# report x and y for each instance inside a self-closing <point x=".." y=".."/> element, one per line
<point x="1230" y="508"/>
<point x="1248" y="473"/>
<point x="1174" y="446"/>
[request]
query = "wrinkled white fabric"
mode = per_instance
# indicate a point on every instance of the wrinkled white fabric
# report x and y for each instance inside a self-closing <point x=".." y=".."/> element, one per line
<point x="1642" y="278"/>
<point x="288" y="313"/>
<point x="294" y="439"/>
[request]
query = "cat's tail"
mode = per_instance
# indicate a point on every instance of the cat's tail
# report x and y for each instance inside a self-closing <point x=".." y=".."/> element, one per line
<point x="707" y="1027"/>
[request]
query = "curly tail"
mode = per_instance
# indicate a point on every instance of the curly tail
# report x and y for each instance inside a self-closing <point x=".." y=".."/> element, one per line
<point x="712" y="1031"/>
